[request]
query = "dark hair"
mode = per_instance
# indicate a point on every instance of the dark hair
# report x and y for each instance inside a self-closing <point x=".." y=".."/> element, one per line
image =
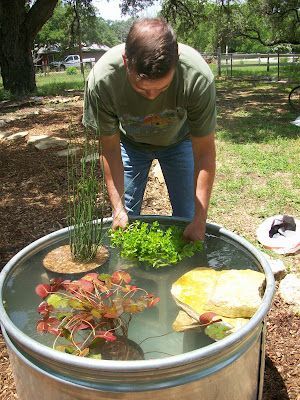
<point x="151" y="48"/>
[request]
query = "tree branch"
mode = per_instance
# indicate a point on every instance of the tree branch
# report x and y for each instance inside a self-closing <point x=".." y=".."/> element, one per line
<point x="264" y="42"/>
<point x="38" y="15"/>
<point x="284" y="13"/>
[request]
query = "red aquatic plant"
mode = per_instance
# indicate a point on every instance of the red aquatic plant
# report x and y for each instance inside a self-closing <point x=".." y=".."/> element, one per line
<point x="87" y="313"/>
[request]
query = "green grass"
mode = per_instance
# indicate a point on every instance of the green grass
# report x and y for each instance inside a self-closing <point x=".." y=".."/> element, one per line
<point x="287" y="72"/>
<point x="52" y="84"/>
<point x="57" y="82"/>
<point x="258" y="157"/>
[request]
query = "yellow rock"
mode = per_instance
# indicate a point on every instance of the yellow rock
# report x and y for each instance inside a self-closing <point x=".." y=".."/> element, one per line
<point x="228" y="293"/>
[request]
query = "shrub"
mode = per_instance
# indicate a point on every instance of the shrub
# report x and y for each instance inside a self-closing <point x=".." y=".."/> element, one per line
<point x="71" y="70"/>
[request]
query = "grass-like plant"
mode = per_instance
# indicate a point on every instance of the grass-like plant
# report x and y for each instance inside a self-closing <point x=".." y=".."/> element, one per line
<point x="87" y="314"/>
<point x="85" y="235"/>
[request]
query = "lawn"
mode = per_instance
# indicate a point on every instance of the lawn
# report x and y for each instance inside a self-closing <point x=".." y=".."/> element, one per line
<point x="258" y="172"/>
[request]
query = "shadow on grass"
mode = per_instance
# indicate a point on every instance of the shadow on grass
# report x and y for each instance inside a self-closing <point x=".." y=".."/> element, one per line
<point x="254" y="114"/>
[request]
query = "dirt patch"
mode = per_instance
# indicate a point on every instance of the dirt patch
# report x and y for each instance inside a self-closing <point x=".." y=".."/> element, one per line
<point x="33" y="203"/>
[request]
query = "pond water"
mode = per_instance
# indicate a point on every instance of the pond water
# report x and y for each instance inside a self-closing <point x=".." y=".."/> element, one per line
<point x="152" y="329"/>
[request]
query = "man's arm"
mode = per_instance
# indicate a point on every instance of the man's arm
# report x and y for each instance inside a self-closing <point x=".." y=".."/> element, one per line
<point x="114" y="177"/>
<point x="204" y="173"/>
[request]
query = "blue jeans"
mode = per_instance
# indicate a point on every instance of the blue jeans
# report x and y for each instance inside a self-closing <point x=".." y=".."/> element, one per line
<point x="177" y="165"/>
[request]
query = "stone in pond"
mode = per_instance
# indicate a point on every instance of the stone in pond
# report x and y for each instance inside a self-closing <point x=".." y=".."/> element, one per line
<point x="228" y="293"/>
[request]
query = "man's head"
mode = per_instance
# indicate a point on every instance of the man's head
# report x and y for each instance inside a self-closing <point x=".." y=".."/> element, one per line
<point x="151" y="55"/>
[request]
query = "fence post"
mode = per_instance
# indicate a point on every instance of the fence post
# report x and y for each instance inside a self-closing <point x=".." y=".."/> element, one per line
<point x="231" y="65"/>
<point x="268" y="64"/>
<point x="219" y="60"/>
<point x="278" y="64"/>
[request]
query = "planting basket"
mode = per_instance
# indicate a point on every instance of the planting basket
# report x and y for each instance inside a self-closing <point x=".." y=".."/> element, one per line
<point x="230" y="369"/>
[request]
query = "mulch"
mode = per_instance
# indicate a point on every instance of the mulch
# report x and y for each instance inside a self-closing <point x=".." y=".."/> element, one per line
<point x="33" y="203"/>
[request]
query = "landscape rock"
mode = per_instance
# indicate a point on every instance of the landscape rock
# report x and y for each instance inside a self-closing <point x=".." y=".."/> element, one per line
<point x="36" y="139"/>
<point x="277" y="267"/>
<point x="3" y="135"/>
<point x="17" y="135"/>
<point x="32" y="114"/>
<point x="45" y="110"/>
<point x="2" y="123"/>
<point x="66" y="152"/>
<point x="289" y="291"/>
<point x="50" y="143"/>
<point x="62" y="100"/>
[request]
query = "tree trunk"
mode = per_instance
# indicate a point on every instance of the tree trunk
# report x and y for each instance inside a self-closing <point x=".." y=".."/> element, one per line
<point x="17" y="67"/>
<point x="18" y="27"/>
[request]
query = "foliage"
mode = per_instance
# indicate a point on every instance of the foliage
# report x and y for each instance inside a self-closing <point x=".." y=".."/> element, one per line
<point x="58" y="30"/>
<point x="55" y="30"/>
<point x="121" y="28"/>
<point x="153" y="244"/>
<point x="71" y="71"/>
<point x="211" y="24"/>
<point x="133" y="7"/>
<point x="88" y="312"/>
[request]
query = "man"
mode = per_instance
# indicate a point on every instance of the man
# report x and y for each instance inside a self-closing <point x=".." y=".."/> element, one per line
<point x="154" y="99"/>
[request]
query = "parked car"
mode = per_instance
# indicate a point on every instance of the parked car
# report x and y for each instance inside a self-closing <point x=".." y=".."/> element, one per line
<point x="72" y="60"/>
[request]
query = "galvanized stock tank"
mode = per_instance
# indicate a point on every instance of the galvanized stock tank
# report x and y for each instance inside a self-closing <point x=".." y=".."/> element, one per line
<point x="231" y="369"/>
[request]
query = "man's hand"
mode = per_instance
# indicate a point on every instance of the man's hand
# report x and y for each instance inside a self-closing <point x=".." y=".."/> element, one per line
<point x="194" y="231"/>
<point x="120" y="219"/>
<point x="114" y="178"/>
<point x="204" y="168"/>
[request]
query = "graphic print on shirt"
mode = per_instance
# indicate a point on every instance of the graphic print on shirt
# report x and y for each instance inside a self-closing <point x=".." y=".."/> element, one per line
<point x="152" y="124"/>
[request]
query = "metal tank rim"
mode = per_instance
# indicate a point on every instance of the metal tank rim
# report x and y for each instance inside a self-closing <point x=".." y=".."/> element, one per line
<point x="211" y="350"/>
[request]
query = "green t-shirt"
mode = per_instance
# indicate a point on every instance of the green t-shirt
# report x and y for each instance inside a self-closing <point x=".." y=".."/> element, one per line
<point x="188" y="106"/>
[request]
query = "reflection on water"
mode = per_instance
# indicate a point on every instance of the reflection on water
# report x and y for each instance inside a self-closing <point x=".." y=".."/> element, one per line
<point x="152" y="329"/>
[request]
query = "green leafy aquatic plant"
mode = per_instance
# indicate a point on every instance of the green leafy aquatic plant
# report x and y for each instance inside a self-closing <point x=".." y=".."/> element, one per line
<point x="88" y="313"/>
<point x="153" y="244"/>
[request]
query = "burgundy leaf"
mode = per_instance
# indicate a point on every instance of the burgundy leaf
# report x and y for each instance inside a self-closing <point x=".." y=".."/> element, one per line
<point x="43" y="290"/>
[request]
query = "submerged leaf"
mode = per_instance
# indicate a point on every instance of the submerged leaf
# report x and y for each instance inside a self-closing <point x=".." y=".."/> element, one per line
<point x="65" y="349"/>
<point x="95" y="356"/>
<point x="44" y="308"/>
<point x="57" y="301"/>
<point x="43" y="290"/>
<point x="49" y="325"/>
<point x="90" y="277"/>
<point x="107" y="335"/>
<point x="218" y="330"/>
<point x="120" y="276"/>
<point x="85" y="285"/>
<point x="76" y="304"/>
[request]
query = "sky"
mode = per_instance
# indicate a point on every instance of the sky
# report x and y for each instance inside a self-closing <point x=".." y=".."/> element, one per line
<point x="110" y="10"/>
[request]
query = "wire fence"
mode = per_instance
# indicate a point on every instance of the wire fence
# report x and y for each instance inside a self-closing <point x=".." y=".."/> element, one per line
<point x="261" y="67"/>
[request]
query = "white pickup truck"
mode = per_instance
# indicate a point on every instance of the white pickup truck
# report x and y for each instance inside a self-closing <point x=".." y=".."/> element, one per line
<point x="72" y="60"/>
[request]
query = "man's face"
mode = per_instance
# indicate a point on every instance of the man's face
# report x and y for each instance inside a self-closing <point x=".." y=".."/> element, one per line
<point x="150" y="88"/>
